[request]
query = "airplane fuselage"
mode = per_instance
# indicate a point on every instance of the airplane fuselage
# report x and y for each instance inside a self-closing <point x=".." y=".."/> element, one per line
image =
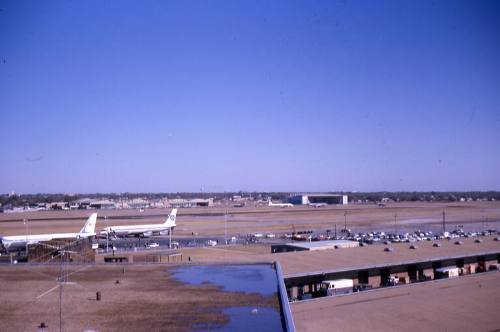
<point x="19" y="241"/>
<point x="283" y="205"/>
<point x="135" y="229"/>
<point x="141" y="230"/>
<point x="317" y="204"/>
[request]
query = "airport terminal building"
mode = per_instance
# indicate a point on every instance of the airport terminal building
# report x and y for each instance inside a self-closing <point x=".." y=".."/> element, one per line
<point x="330" y="199"/>
<point x="189" y="203"/>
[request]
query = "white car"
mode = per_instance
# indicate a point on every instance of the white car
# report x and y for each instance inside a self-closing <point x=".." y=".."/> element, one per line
<point x="153" y="245"/>
<point x="211" y="243"/>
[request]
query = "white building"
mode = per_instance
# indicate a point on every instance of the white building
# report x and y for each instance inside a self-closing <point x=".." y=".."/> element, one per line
<point x="330" y="199"/>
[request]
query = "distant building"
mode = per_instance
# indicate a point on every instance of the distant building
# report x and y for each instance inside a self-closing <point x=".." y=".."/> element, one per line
<point x="330" y="199"/>
<point x="59" y="206"/>
<point x="158" y="204"/>
<point x="138" y="203"/>
<point x="74" y="205"/>
<point x="103" y="205"/>
<point x="314" y="246"/>
<point x="188" y="203"/>
<point x="84" y="203"/>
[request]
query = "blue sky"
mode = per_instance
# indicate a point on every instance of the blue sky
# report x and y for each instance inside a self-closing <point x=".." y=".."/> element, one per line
<point x="165" y="96"/>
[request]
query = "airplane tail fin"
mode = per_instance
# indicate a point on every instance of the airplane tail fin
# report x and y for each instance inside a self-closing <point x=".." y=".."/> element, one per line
<point x="170" y="222"/>
<point x="90" y="224"/>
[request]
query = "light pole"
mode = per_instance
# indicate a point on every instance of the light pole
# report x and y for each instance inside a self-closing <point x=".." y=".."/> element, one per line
<point x="25" y="221"/>
<point x="170" y="236"/>
<point x="345" y="221"/>
<point x="444" y="222"/>
<point x="225" y="228"/>
<point x="107" y="233"/>
<point x="395" y="224"/>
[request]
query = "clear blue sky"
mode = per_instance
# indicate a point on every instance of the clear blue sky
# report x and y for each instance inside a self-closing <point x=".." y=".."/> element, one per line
<point x="112" y="96"/>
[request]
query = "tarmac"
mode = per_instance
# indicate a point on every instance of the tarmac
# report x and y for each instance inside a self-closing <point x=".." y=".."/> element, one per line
<point x="211" y="221"/>
<point x="317" y="262"/>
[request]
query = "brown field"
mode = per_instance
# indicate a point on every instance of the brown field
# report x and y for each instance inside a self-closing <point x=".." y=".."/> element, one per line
<point x="146" y="299"/>
<point x="210" y="221"/>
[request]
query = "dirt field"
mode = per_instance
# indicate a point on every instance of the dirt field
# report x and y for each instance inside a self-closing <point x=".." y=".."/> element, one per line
<point x="211" y="221"/>
<point x="146" y="299"/>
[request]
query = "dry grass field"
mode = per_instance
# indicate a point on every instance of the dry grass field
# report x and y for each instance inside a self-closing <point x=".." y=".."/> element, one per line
<point x="147" y="298"/>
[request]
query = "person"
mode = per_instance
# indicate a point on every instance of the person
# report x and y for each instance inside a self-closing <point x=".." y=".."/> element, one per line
<point x="189" y="258"/>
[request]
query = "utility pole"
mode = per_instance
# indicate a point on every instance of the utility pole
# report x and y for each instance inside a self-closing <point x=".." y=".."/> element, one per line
<point x="61" y="281"/>
<point x="444" y="222"/>
<point x="225" y="228"/>
<point x="335" y="231"/>
<point x="345" y="221"/>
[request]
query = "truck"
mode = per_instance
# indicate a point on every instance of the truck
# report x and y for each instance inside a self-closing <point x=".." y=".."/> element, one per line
<point x="393" y="280"/>
<point x="494" y="267"/>
<point x="336" y="287"/>
<point x="447" y="272"/>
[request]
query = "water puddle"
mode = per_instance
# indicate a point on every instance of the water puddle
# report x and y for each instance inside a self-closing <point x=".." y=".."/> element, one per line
<point x="260" y="279"/>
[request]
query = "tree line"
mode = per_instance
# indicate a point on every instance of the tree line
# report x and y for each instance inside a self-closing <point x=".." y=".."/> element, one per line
<point x="25" y="200"/>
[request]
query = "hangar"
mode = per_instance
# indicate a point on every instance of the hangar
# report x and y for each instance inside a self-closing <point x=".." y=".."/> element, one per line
<point x="188" y="203"/>
<point x="330" y="199"/>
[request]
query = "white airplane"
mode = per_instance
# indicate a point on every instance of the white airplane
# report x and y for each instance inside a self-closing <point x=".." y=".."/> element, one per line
<point x="19" y="241"/>
<point x="141" y="230"/>
<point x="317" y="205"/>
<point x="283" y="205"/>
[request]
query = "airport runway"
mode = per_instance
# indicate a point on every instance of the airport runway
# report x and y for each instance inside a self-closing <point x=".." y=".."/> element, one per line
<point x="213" y="222"/>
